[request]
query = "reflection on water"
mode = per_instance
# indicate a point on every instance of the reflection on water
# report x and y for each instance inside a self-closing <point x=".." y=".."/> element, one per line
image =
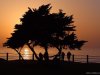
<point x="27" y="54"/>
<point x="13" y="55"/>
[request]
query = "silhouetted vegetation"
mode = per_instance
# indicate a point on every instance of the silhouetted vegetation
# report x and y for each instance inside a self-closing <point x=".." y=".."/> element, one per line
<point x="40" y="27"/>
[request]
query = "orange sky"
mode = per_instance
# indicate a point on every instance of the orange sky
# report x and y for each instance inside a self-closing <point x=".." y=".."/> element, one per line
<point x="86" y="16"/>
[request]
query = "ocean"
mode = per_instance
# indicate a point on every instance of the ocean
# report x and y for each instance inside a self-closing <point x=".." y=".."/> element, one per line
<point x="79" y="55"/>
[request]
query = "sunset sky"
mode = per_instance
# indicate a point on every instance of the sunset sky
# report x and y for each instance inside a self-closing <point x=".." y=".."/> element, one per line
<point x="86" y="16"/>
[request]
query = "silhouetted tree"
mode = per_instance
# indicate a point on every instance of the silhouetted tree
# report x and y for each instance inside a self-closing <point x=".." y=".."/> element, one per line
<point x="40" y="27"/>
<point x="31" y="30"/>
<point x="63" y="36"/>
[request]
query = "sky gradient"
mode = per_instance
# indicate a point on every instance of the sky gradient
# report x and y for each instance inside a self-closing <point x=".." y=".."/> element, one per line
<point x="86" y="16"/>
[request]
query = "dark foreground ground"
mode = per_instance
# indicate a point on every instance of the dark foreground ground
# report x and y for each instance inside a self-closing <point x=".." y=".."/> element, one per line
<point x="35" y="68"/>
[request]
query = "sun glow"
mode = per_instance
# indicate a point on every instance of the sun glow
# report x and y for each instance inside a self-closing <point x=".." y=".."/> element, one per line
<point x="26" y="53"/>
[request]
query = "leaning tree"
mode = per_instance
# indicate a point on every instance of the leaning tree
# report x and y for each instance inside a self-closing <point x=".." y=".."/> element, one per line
<point x="40" y="27"/>
<point x="30" y="31"/>
<point x="64" y="36"/>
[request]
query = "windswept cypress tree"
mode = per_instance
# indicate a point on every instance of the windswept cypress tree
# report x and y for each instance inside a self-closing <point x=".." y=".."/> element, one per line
<point x="40" y="27"/>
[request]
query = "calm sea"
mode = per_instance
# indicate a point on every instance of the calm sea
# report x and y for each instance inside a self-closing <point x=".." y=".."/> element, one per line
<point x="79" y="55"/>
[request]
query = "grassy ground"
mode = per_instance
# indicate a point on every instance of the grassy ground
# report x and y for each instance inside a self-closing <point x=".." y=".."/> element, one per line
<point x="53" y="68"/>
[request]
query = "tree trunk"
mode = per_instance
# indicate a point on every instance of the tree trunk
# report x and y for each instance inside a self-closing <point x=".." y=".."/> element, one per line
<point x="46" y="56"/>
<point x="33" y="51"/>
<point x="46" y="49"/>
<point x="19" y="54"/>
<point x="59" y="51"/>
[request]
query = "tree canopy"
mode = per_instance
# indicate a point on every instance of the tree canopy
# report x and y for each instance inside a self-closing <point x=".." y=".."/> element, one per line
<point x="40" y="27"/>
